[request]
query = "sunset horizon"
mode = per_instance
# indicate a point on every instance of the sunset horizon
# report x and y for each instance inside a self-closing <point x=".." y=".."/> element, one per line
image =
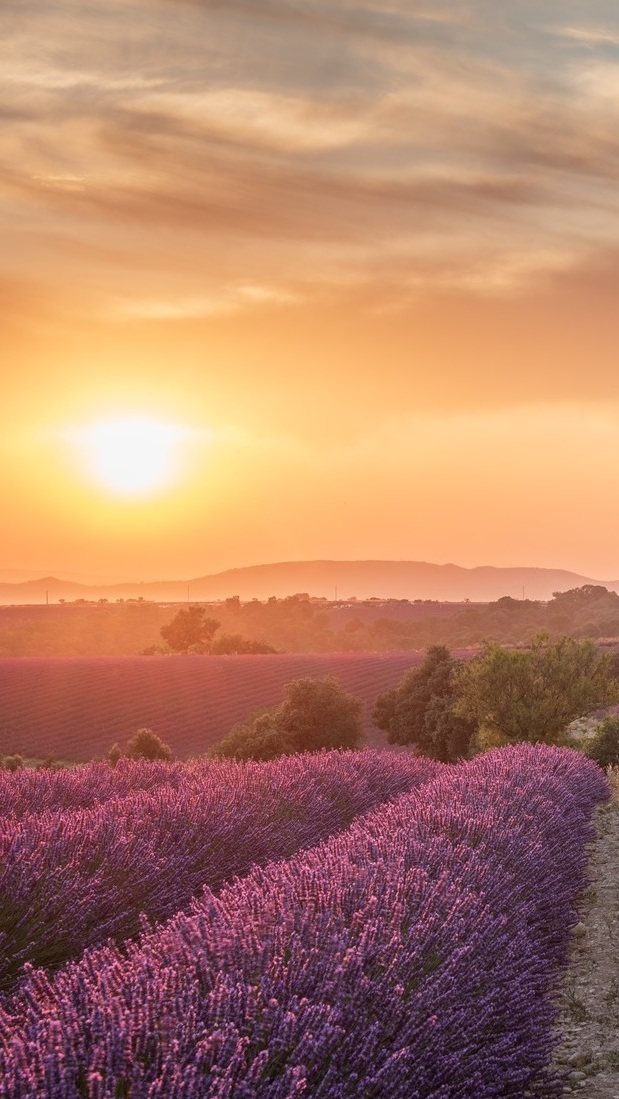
<point x="17" y="576"/>
<point x="298" y="282"/>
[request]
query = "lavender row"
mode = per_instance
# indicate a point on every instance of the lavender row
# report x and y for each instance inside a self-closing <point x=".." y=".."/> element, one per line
<point x="31" y="791"/>
<point x="413" y="957"/>
<point x="72" y="879"/>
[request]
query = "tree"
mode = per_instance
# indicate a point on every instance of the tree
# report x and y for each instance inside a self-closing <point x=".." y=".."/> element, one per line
<point x="588" y="593"/>
<point x="603" y="746"/>
<point x="315" y="714"/>
<point x="533" y="694"/>
<point x="419" y="710"/>
<point x="190" y="631"/>
<point x="147" y="745"/>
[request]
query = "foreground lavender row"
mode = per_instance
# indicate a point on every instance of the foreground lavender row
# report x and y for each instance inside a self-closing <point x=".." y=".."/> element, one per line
<point x="73" y="878"/>
<point x="31" y="791"/>
<point x="410" y="957"/>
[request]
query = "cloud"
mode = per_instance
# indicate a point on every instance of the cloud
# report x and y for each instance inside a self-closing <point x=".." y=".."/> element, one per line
<point x="427" y="142"/>
<point x="231" y="300"/>
<point x="588" y="36"/>
<point x="258" y="118"/>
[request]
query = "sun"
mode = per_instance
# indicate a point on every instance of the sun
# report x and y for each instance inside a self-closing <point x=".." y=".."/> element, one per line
<point x="132" y="456"/>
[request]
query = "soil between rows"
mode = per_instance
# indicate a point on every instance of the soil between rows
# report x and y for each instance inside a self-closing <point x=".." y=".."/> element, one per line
<point x="587" y="1051"/>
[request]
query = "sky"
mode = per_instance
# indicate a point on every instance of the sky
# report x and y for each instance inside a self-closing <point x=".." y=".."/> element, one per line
<point x="301" y="279"/>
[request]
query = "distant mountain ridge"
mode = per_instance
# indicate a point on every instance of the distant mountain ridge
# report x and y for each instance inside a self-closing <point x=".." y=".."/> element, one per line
<point x="331" y="579"/>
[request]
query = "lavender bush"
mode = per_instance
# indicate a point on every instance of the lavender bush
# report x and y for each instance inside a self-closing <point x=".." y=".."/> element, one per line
<point x="72" y="878"/>
<point x="411" y="957"/>
<point x="30" y="791"/>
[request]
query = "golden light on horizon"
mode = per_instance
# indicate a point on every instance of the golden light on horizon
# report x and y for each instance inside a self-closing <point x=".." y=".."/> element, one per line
<point x="307" y="295"/>
<point x="132" y="456"/>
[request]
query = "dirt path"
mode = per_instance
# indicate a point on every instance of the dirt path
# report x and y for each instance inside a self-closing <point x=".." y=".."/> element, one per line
<point x="588" y="1026"/>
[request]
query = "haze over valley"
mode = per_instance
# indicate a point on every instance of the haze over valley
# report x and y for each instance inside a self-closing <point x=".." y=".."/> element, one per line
<point x="320" y="579"/>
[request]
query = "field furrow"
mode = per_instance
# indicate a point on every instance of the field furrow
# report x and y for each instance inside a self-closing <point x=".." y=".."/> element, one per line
<point x="76" y="708"/>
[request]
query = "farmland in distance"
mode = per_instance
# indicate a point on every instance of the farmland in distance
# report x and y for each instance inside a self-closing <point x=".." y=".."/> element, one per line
<point x="75" y="709"/>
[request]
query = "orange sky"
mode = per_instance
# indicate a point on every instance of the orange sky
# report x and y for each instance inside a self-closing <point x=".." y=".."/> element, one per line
<point x="362" y="256"/>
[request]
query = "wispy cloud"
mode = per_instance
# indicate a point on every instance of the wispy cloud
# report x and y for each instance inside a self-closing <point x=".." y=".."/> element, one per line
<point x="588" y="36"/>
<point x="230" y="300"/>
<point x="429" y="142"/>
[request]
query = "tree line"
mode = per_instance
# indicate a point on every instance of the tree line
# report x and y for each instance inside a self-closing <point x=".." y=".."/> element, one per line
<point x="298" y="624"/>
<point x="445" y="709"/>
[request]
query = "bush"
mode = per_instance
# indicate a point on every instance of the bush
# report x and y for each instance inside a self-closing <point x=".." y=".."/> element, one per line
<point x="603" y="746"/>
<point x="228" y="643"/>
<point x="485" y="740"/>
<point x="533" y="694"/>
<point x="419" y="710"/>
<point x="114" y="755"/>
<point x="260" y="740"/>
<point x="50" y="763"/>
<point x="147" y="745"/>
<point x="13" y="763"/>
<point x="315" y="714"/>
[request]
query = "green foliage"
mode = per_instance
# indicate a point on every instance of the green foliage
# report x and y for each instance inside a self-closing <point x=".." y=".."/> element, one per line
<point x="318" y="713"/>
<point x="261" y="740"/>
<point x="146" y="745"/>
<point x="484" y="740"/>
<point x="419" y="710"/>
<point x="533" y="694"/>
<point x="114" y="755"/>
<point x="49" y="763"/>
<point x="228" y="643"/>
<point x="12" y="763"/>
<point x="315" y="714"/>
<point x="603" y="746"/>
<point x="588" y="593"/>
<point x="190" y="631"/>
<point x="296" y="624"/>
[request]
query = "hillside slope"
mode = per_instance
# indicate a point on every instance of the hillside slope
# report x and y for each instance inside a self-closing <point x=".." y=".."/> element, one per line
<point x="329" y="579"/>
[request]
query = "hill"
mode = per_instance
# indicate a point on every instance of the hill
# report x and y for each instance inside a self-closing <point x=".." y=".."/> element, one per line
<point x="76" y="708"/>
<point x="387" y="580"/>
<point x="343" y="579"/>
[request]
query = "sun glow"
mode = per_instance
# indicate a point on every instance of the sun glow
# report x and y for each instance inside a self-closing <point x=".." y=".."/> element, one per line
<point x="133" y="456"/>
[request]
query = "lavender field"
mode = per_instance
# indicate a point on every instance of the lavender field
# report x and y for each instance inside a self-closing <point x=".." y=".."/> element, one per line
<point x="340" y="926"/>
<point x="112" y="844"/>
<point x="76" y="708"/>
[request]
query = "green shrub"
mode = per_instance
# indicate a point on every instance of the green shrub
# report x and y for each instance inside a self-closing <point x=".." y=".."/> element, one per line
<point x="260" y="740"/>
<point x="603" y="746"/>
<point x="114" y="755"/>
<point x="13" y="763"/>
<point x="147" y="745"/>
<point x="315" y="714"/>
<point x="50" y="763"/>
<point x="419" y="711"/>
<point x="228" y="643"/>
<point x="533" y="694"/>
<point x="484" y="740"/>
